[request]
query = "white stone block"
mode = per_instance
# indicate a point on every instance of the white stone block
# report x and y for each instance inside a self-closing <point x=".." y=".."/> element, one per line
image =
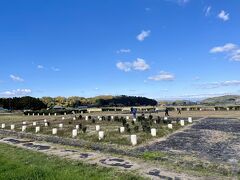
<point x="182" y="123"/>
<point x="122" y="129"/>
<point x="100" y="119"/>
<point x="49" y="114"/>
<point x="112" y="117"/>
<point x="77" y="127"/>
<point x="98" y="128"/>
<point x="65" y="114"/>
<point x="74" y="133"/>
<point x="24" y="128"/>
<point x="74" y="118"/>
<point x="34" y="123"/>
<point x="46" y="124"/>
<point x="190" y="120"/>
<point x="100" y="135"/>
<point x="60" y="125"/>
<point x="24" y="123"/>
<point x="165" y="118"/>
<point x="45" y="120"/>
<point x="63" y="118"/>
<point x="12" y="127"/>
<point x="170" y="126"/>
<point x="43" y="114"/>
<point x="33" y="114"/>
<point x="54" y="131"/>
<point x="86" y="118"/>
<point x="134" y="140"/>
<point x="127" y="117"/>
<point x="3" y="126"/>
<point x="134" y="119"/>
<point x="154" y="132"/>
<point x="37" y="129"/>
<point x="55" y="114"/>
<point x="38" y="114"/>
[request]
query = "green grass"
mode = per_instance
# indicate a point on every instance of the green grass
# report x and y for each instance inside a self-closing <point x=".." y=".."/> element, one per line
<point x="20" y="164"/>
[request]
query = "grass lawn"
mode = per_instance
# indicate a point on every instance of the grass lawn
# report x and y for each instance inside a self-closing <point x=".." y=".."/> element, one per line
<point x="16" y="163"/>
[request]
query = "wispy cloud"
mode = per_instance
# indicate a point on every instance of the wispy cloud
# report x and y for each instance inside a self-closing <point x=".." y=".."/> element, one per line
<point x="231" y="50"/>
<point x="16" y="78"/>
<point x="162" y="76"/>
<point x="123" y="51"/>
<point x="179" y="2"/>
<point x="40" y="66"/>
<point x="55" y="69"/>
<point x="214" y="85"/>
<point x="143" y="35"/>
<point x="224" y="15"/>
<point x="207" y="10"/>
<point x="17" y="92"/>
<point x="138" y="65"/>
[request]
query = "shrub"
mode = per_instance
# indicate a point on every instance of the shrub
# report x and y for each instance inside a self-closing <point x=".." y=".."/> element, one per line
<point x="84" y="129"/>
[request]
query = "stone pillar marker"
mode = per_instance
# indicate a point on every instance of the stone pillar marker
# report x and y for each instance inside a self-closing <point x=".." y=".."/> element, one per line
<point x="154" y="132"/>
<point x="98" y="128"/>
<point x="34" y="123"/>
<point x="63" y="118"/>
<point x="165" y="118"/>
<point x="12" y="127"/>
<point x="86" y="118"/>
<point x="54" y="131"/>
<point x="55" y="114"/>
<point x="61" y="126"/>
<point x="182" y="122"/>
<point x="46" y="124"/>
<point x="170" y="126"/>
<point x="74" y="133"/>
<point x="127" y="117"/>
<point x="122" y="129"/>
<point x="38" y="114"/>
<point x="49" y="114"/>
<point x="24" y="123"/>
<point x="37" y="129"/>
<point x="65" y="114"/>
<point x="100" y="135"/>
<point x="100" y="119"/>
<point x="77" y="127"/>
<point x="134" y="119"/>
<point x="45" y="120"/>
<point x="43" y="114"/>
<point x="3" y="126"/>
<point x="112" y="117"/>
<point x="24" y="128"/>
<point x="190" y="120"/>
<point x="74" y="118"/>
<point x="33" y="114"/>
<point x="134" y="140"/>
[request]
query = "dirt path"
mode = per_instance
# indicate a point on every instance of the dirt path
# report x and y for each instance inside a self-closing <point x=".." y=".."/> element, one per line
<point x="145" y="169"/>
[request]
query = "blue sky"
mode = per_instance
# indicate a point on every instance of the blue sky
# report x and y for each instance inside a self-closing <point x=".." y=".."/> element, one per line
<point x="165" y="49"/>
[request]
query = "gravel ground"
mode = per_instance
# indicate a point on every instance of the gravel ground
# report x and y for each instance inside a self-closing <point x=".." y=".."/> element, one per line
<point x="215" y="140"/>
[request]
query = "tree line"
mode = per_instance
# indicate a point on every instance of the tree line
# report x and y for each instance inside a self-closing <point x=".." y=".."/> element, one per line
<point x="27" y="103"/>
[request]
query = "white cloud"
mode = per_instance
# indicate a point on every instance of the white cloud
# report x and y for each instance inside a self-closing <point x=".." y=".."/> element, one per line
<point x="223" y="15"/>
<point x="231" y="50"/>
<point x="220" y="84"/>
<point x="123" y="51"/>
<point x="55" y="69"/>
<point x="138" y="65"/>
<point x="143" y="35"/>
<point x="16" y="78"/>
<point x="163" y="76"/>
<point x="40" y="66"/>
<point x="207" y="10"/>
<point x="226" y="48"/>
<point x="124" y="66"/>
<point x="17" y="92"/>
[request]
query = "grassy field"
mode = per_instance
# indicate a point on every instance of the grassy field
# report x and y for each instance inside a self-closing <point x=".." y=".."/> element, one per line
<point x="20" y="164"/>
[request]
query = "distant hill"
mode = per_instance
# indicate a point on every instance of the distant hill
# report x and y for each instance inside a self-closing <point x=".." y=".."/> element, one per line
<point x="223" y="100"/>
